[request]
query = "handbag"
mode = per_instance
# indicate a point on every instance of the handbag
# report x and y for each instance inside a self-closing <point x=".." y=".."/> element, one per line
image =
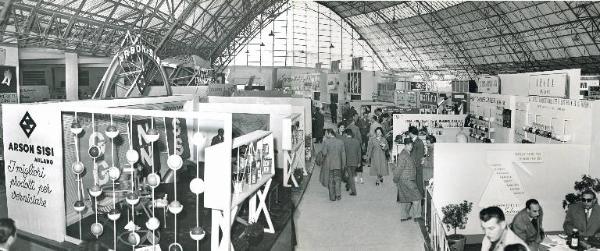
<point x="320" y="159"/>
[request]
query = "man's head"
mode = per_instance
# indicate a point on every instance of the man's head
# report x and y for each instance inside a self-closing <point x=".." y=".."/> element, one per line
<point x="329" y="132"/>
<point x="220" y="131"/>
<point x="413" y="131"/>
<point x="374" y="118"/>
<point x="533" y="208"/>
<point x="588" y="199"/>
<point x="378" y="111"/>
<point x="8" y="232"/>
<point x="349" y="133"/>
<point x="492" y="223"/>
<point x="408" y="144"/>
<point x="341" y="127"/>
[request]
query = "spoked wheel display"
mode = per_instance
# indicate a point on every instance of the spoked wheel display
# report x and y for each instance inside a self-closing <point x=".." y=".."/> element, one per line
<point x="134" y="72"/>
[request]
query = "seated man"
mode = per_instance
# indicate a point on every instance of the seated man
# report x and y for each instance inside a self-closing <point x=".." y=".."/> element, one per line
<point x="527" y="224"/>
<point x="497" y="235"/>
<point x="8" y="233"/>
<point x="583" y="216"/>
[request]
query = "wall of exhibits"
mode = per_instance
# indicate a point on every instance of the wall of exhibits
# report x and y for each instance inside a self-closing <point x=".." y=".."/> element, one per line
<point x="506" y="175"/>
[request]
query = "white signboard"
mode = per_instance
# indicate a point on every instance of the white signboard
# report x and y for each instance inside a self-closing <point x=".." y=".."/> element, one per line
<point x="489" y="84"/>
<point x="507" y="175"/>
<point x="34" y="169"/>
<point x="548" y="85"/>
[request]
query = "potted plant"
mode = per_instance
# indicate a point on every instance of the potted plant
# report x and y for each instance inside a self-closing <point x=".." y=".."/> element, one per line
<point x="456" y="216"/>
<point x="586" y="183"/>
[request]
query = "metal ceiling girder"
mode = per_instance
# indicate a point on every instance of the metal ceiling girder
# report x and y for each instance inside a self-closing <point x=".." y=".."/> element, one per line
<point x="201" y="32"/>
<point x="400" y="35"/>
<point x="175" y="25"/>
<point x="587" y="30"/>
<point x="553" y="30"/>
<point x="432" y="13"/>
<point x="271" y="9"/>
<point x="353" y="26"/>
<point x="72" y="20"/>
<point x="529" y="58"/>
<point x="248" y="31"/>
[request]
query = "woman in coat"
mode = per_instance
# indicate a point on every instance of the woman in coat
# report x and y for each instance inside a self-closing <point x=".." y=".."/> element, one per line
<point x="428" y="160"/>
<point x="376" y="150"/>
<point x="405" y="175"/>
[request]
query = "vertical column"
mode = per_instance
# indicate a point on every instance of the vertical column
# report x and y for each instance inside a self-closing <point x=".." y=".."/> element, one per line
<point x="71" y="76"/>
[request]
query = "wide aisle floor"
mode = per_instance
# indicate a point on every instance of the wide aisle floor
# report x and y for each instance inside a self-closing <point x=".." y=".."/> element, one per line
<point x="368" y="221"/>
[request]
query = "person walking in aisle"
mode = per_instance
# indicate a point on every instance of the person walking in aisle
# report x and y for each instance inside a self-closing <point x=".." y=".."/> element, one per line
<point x="353" y="159"/>
<point x="376" y="155"/>
<point x="333" y="111"/>
<point x="363" y="125"/>
<point x="374" y="125"/>
<point x="417" y="153"/>
<point x="409" y="196"/>
<point x="318" y="122"/>
<point x="335" y="160"/>
<point x="8" y="233"/>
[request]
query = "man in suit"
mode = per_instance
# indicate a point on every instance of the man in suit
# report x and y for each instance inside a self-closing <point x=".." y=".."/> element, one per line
<point x="318" y="122"/>
<point x="584" y="216"/>
<point x="335" y="161"/>
<point x="353" y="159"/>
<point x="417" y="153"/>
<point x="218" y="138"/>
<point x="527" y="224"/>
<point x="8" y="233"/>
<point x="497" y="234"/>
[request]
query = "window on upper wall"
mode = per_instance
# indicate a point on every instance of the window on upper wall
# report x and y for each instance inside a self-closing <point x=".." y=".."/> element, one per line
<point x="84" y="78"/>
<point x="34" y="78"/>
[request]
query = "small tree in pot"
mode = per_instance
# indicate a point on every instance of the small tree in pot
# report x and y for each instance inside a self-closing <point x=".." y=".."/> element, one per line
<point x="456" y="217"/>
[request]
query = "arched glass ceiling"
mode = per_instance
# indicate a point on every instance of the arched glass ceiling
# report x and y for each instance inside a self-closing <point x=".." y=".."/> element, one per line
<point x="306" y="34"/>
<point x="479" y="36"/>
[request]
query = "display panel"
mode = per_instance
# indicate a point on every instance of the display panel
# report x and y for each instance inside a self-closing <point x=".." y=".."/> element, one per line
<point x="128" y="178"/>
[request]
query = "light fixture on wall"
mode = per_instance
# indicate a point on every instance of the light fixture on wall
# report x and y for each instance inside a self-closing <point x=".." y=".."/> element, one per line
<point x="247" y="51"/>
<point x="262" y="44"/>
<point x="271" y="34"/>
<point x="331" y="46"/>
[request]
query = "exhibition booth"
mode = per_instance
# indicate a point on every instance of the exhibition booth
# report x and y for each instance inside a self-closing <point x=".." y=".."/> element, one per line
<point x="140" y="173"/>
<point x="503" y="175"/>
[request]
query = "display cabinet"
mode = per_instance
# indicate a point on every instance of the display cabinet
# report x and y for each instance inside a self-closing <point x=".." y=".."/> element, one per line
<point x="556" y="120"/>
<point x="249" y="178"/>
<point x="294" y="146"/>
<point x="481" y="128"/>
<point x="493" y="117"/>
<point x="360" y="85"/>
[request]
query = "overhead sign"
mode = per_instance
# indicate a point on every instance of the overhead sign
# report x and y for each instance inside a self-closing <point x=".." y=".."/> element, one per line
<point x="489" y="84"/>
<point x="34" y="170"/>
<point x="549" y="85"/>
<point x="428" y="98"/>
<point x="8" y="85"/>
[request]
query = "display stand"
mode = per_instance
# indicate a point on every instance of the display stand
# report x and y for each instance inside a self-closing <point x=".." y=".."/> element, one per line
<point x="53" y="128"/>
<point x="555" y="121"/>
<point x="235" y="189"/>
<point x="492" y="117"/>
<point x="294" y="148"/>
<point x="443" y="127"/>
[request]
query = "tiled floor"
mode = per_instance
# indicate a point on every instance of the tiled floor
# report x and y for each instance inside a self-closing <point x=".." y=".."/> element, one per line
<point x="368" y="221"/>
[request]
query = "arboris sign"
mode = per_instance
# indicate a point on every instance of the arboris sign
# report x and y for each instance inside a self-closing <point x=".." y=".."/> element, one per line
<point x="34" y="169"/>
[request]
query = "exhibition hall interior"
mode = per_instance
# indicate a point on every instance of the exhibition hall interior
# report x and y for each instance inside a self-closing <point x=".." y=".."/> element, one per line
<point x="302" y="125"/>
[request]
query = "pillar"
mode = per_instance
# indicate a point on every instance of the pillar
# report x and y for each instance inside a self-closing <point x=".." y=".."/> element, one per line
<point x="71" y="76"/>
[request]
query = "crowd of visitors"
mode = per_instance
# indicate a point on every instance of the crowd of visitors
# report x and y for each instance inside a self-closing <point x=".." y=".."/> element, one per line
<point x="365" y="141"/>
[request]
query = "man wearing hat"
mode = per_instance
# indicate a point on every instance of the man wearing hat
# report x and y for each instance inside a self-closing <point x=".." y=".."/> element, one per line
<point x="405" y="175"/>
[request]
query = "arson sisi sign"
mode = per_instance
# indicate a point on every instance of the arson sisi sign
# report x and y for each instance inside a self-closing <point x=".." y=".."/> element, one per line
<point x="34" y="172"/>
